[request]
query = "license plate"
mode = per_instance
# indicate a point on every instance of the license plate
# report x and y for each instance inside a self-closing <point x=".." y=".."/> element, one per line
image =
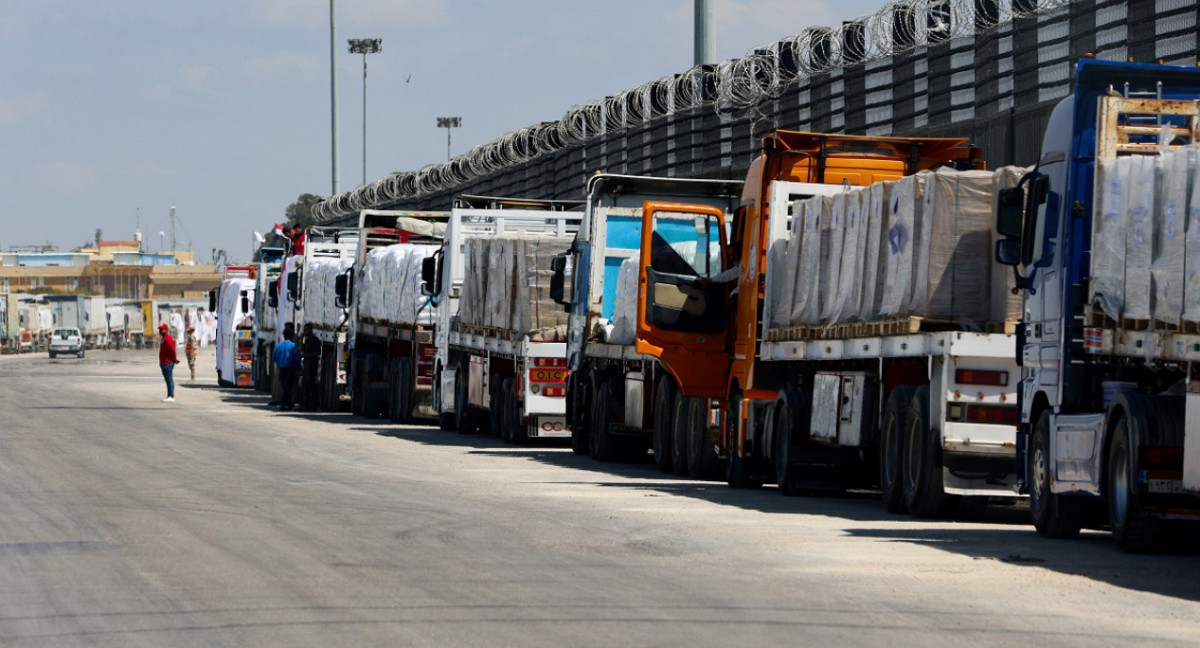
<point x="552" y="426"/>
<point x="1164" y="486"/>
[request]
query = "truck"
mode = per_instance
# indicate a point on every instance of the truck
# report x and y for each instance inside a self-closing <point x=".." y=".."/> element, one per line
<point x="266" y="304"/>
<point x="390" y="330"/>
<point x="1101" y="238"/>
<point x="85" y="313"/>
<point x="618" y="395"/>
<point x="500" y="365"/>
<point x="307" y="296"/>
<point x="835" y="337"/>
<point x="233" y="303"/>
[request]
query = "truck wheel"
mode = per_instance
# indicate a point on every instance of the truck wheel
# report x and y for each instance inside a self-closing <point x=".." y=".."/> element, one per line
<point x="464" y="420"/>
<point x="702" y="460"/>
<point x="580" y="431"/>
<point x="891" y="448"/>
<point x="679" y="435"/>
<point x="923" y="493"/>
<point x="1054" y="516"/>
<point x="788" y="414"/>
<point x="664" y="400"/>
<point x="511" y="409"/>
<point x="1133" y="529"/>
<point x="603" y="446"/>
<point x="737" y="468"/>
<point x="498" y="420"/>
<point x="52" y="354"/>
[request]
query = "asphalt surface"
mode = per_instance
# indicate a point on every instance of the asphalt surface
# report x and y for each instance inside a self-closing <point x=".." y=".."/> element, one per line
<point x="218" y="521"/>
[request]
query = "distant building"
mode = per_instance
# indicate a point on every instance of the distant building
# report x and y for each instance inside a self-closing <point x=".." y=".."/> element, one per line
<point x="115" y="269"/>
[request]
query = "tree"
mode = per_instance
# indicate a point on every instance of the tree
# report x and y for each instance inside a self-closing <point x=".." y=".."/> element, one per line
<point x="99" y="233"/>
<point x="300" y="212"/>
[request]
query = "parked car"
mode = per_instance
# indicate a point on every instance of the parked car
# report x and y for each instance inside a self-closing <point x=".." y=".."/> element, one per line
<point x="66" y="340"/>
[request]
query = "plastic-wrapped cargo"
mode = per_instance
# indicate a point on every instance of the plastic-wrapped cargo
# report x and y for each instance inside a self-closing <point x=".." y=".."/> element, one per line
<point x="533" y="310"/>
<point x="1108" y="235"/>
<point x="1167" y="264"/>
<point x="320" y="274"/>
<point x="833" y="249"/>
<point x="624" y="319"/>
<point x="804" y="301"/>
<point x="956" y="230"/>
<point x="1191" y="272"/>
<point x="498" y="284"/>
<point x="785" y="256"/>
<point x="390" y="285"/>
<point x="1139" y="237"/>
<point x="471" y="304"/>
<point x="905" y="207"/>
<point x="848" y="294"/>
<point x="874" y="209"/>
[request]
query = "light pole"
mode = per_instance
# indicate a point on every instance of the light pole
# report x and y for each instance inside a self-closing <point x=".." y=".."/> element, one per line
<point x="448" y="123"/>
<point x="365" y="46"/>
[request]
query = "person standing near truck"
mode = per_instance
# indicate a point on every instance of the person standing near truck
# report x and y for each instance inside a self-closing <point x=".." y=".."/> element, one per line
<point x="287" y="359"/>
<point x="190" y="348"/>
<point x="167" y="359"/>
<point x="310" y="354"/>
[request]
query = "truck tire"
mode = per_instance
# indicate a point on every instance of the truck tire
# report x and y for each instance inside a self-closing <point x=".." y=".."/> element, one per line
<point x="581" y="434"/>
<point x="466" y="421"/>
<point x="664" y="401"/>
<point x="1133" y="529"/>
<point x="603" y="446"/>
<point x="679" y="435"/>
<point x="52" y="355"/>
<point x="922" y="479"/>
<point x="511" y="409"/>
<point x="891" y="448"/>
<point x="1054" y="516"/>
<point x="702" y="460"/>
<point x="737" y="468"/>
<point x="496" y="421"/>
<point x="790" y="412"/>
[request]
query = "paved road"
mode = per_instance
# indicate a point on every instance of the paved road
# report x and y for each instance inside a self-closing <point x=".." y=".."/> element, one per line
<point x="215" y="521"/>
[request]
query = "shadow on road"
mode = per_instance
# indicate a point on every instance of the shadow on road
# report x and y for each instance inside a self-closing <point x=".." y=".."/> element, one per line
<point x="1002" y="534"/>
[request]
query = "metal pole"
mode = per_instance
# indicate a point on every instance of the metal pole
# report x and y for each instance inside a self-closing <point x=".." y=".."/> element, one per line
<point x="705" y="46"/>
<point x="364" y="118"/>
<point x="447" y="144"/>
<point x="333" y="92"/>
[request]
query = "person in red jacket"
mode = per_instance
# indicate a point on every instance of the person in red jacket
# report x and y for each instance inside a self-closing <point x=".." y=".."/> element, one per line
<point x="167" y="359"/>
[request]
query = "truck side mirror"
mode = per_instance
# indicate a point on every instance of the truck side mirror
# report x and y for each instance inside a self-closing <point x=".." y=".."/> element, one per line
<point x="1010" y="212"/>
<point x="431" y="274"/>
<point x="343" y="288"/>
<point x="1035" y="219"/>
<point x="293" y="286"/>
<point x="273" y="294"/>
<point x="245" y="303"/>
<point x="558" y="280"/>
<point x="212" y="300"/>
<point x="1008" y="252"/>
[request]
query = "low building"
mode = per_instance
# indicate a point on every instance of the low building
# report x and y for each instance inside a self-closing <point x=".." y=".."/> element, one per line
<point x="116" y="269"/>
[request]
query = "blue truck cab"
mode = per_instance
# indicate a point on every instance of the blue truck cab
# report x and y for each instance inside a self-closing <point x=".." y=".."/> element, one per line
<point x="1104" y="235"/>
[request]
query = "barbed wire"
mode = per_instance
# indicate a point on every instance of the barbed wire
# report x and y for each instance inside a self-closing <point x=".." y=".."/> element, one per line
<point x="735" y="85"/>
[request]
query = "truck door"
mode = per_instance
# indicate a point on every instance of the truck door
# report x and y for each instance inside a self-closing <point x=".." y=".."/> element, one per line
<point x="682" y="295"/>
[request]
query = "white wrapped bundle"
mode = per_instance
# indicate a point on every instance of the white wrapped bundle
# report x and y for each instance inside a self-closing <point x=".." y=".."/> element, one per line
<point x="922" y="237"/>
<point x="848" y="293"/>
<point x="904" y="207"/>
<point x="498" y="284"/>
<point x="1139" y="237"/>
<point x="874" y="205"/>
<point x="814" y="262"/>
<point x="832" y="251"/>
<point x="1167" y="265"/>
<point x="413" y="307"/>
<point x="286" y="307"/>
<point x="1191" y="294"/>
<point x="319" y="278"/>
<point x="785" y="260"/>
<point x="955" y="273"/>
<point x="624" y="317"/>
<point x="1108" y="235"/>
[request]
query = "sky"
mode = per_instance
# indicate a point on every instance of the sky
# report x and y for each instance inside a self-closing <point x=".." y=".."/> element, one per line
<point x="112" y="112"/>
